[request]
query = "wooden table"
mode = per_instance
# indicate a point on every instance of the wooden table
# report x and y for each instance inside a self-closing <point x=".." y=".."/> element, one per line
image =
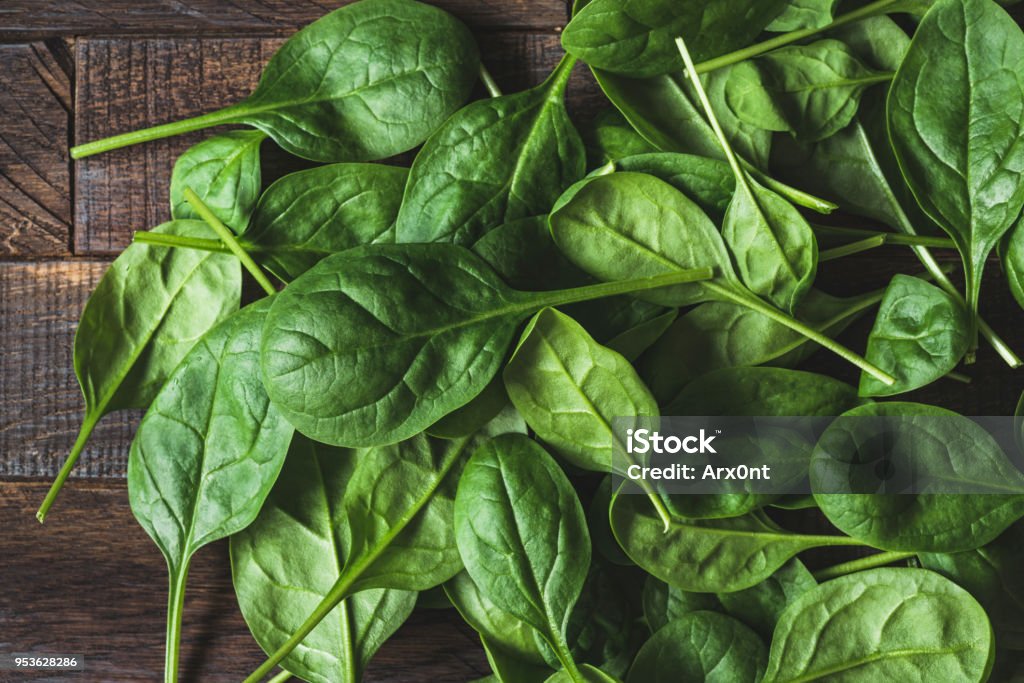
<point x="90" y="582"/>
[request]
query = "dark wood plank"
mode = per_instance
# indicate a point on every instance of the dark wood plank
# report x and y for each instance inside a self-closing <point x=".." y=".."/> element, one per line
<point x="126" y="189"/>
<point x="40" y="402"/>
<point x="21" y="19"/>
<point x="91" y="582"/>
<point x="35" y="101"/>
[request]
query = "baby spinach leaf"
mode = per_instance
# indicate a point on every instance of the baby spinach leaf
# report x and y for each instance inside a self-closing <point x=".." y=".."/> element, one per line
<point x="992" y="575"/>
<point x="722" y="555"/>
<point x="495" y="161"/>
<point x="804" y="14"/>
<point x="287" y="560"/>
<point x="708" y="182"/>
<point x="958" y="142"/>
<point x="764" y="392"/>
<point x="377" y="343"/>
<point x="568" y="388"/>
<point x="633" y="342"/>
<point x="810" y="91"/>
<point x="609" y="137"/>
<point x="207" y="453"/>
<point x="512" y="493"/>
<point x="935" y="450"/>
<point x="397" y="520"/>
<point x="585" y="674"/>
<point x="663" y="603"/>
<point x="508" y="667"/>
<point x="604" y="629"/>
<point x="635" y="38"/>
<point x="318" y="100"/>
<point x="523" y="254"/>
<point x="719" y="334"/>
<point x="701" y="646"/>
<point x="760" y="606"/>
<point x="147" y="311"/>
<point x="308" y="215"/>
<point x="883" y="624"/>
<point x="775" y="250"/>
<point x="224" y="171"/>
<point x="920" y="334"/>
<point x="1011" y="254"/>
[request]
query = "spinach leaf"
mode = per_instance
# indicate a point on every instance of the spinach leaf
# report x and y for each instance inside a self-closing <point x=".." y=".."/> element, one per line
<point x="495" y="161"/>
<point x="397" y="517"/>
<point x="810" y="91"/>
<point x="719" y="334"/>
<point x="568" y="388"/>
<point x="992" y="575"/>
<point x="931" y="448"/>
<point x="804" y="14"/>
<point x="508" y="667"/>
<point x="635" y="38"/>
<point x="147" y="311"/>
<point x="206" y="454"/>
<point x="764" y="392"/>
<point x="1011" y="255"/>
<point x="953" y="127"/>
<point x="600" y="530"/>
<point x="708" y="556"/>
<point x="511" y="494"/>
<point x="585" y="674"/>
<point x="883" y="624"/>
<point x="632" y="343"/>
<point x="609" y="137"/>
<point x="523" y="254"/>
<point x="701" y="646"/>
<point x="708" y="182"/>
<point x="318" y="99"/>
<point x="284" y="564"/>
<point x="760" y="606"/>
<point x="663" y="603"/>
<point x="774" y="248"/>
<point x="377" y="343"/>
<point x="224" y="171"/>
<point x="308" y="215"/>
<point x="920" y="334"/>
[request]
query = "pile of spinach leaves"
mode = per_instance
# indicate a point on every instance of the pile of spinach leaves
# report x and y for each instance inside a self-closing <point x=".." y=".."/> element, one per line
<point x="423" y="399"/>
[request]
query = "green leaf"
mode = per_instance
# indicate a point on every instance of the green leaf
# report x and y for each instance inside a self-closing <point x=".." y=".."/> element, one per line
<point x="708" y="556"/>
<point x="206" y="453"/>
<point x="664" y="603"/>
<point x="810" y="91"/>
<point x="947" y="451"/>
<point x="495" y="161"/>
<point x="511" y="495"/>
<point x="224" y="170"/>
<point x="701" y="646"/>
<point x="1011" y="255"/>
<point x="523" y="254"/>
<point x="377" y="343"/>
<point x="920" y="335"/>
<point x="760" y="606"/>
<point x="632" y="343"/>
<point x="147" y="311"/>
<point x="309" y="215"/>
<point x="708" y="182"/>
<point x="609" y="137"/>
<point x="954" y="118"/>
<point x="883" y="625"/>
<point x="318" y="98"/>
<point x="586" y="674"/>
<point x="284" y="564"/>
<point x="801" y="14"/>
<point x="568" y="388"/>
<point x="764" y="392"/>
<point x="636" y="37"/>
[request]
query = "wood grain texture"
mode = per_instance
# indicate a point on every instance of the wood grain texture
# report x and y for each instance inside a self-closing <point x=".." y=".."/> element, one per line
<point x="40" y="401"/>
<point x="126" y="84"/>
<point x="35" y="105"/>
<point x="29" y="18"/>
<point x="91" y="582"/>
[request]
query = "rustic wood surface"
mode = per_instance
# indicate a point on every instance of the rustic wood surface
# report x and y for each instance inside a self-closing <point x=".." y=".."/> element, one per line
<point x="90" y="581"/>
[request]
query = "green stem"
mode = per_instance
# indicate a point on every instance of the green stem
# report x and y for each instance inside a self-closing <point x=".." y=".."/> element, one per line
<point x="958" y="377"/>
<point x="226" y="115"/>
<point x="175" y="607"/>
<point x="280" y="678"/>
<point x="798" y="197"/>
<point x="869" y="562"/>
<point x="755" y="304"/>
<point x="178" y="241"/>
<point x="564" y="297"/>
<point x="564" y="656"/>
<point x="865" y="12"/>
<point x="229" y="239"/>
<point x="488" y="80"/>
<point x="894" y="238"/>
<point x="88" y="424"/>
<point x="852" y="248"/>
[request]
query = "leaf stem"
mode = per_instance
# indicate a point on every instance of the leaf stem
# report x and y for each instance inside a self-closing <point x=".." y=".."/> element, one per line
<point x="601" y="290"/>
<point x="894" y="238"/>
<point x="488" y="80"/>
<point x="865" y="12"/>
<point x="229" y="239"/>
<point x="226" y="115"/>
<point x="565" y="658"/>
<point x="860" y="564"/>
<point x="755" y="304"/>
<point x="852" y="248"/>
<point x="175" y="607"/>
<point x="179" y="241"/>
<point x="281" y="677"/>
<point x="958" y="377"/>
<point x="88" y="424"/>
